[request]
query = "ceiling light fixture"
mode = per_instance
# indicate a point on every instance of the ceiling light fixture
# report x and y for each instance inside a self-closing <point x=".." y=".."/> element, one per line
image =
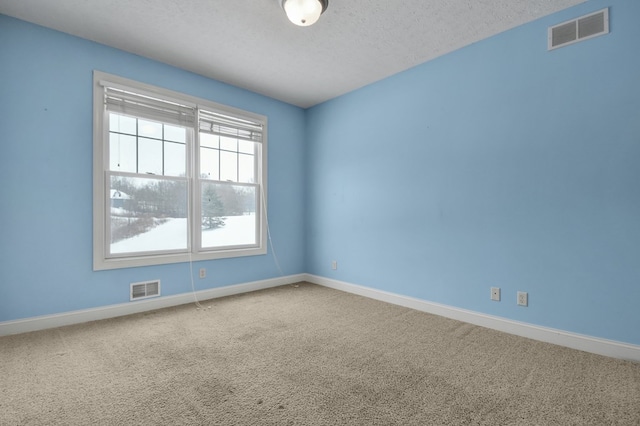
<point x="304" y="12"/>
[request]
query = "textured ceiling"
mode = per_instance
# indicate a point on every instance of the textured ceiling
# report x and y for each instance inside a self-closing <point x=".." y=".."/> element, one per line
<point x="251" y="44"/>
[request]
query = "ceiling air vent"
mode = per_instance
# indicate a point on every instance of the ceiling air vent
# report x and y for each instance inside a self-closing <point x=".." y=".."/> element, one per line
<point x="145" y="290"/>
<point x="587" y="26"/>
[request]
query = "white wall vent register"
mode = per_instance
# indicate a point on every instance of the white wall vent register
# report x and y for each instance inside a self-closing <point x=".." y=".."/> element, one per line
<point x="144" y="290"/>
<point x="579" y="29"/>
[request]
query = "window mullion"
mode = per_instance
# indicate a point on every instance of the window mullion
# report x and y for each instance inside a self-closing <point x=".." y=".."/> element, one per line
<point x="162" y="151"/>
<point x="137" y="146"/>
<point x="193" y="169"/>
<point x="237" y="161"/>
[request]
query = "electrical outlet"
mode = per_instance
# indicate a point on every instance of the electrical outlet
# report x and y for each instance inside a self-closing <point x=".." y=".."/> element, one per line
<point x="334" y="265"/>
<point x="203" y="273"/>
<point x="495" y="293"/>
<point x="523" y="298"/>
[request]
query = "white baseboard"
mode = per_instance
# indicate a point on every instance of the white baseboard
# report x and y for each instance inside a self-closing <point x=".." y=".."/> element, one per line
<point x="111" y="311"/>
<point x="581" y="342"/>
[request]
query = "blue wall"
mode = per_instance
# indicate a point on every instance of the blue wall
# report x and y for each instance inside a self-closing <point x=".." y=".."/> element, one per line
<point x="46" y="175"/>
<point x="500" y="164"/>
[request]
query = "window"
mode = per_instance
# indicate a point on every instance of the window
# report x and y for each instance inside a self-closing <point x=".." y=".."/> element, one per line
<point x="175" y="177"/>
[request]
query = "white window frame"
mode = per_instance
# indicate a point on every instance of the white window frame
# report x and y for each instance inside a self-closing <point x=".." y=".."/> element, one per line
<point x="101" y="260"/>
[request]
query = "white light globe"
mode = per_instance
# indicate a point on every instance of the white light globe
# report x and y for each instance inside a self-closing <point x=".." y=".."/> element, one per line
<point x="303" y="12"/>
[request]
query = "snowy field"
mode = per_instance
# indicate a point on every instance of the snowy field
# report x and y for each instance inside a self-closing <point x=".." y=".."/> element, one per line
<point x="172" y="235"/>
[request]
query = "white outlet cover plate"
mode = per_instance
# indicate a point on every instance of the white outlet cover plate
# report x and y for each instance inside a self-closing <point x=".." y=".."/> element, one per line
<point x="523" y="298"/>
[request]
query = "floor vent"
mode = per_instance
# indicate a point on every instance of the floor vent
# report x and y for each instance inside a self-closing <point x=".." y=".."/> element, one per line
<point x="145" y="290"/>
<point x="582" y="28"/>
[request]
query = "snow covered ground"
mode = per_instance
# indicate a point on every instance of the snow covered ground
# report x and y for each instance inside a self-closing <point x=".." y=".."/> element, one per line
<point x="238" y="230"/>
<point x="172" y="235"/>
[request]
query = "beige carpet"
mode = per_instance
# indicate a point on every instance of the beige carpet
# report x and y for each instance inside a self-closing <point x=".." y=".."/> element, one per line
<point x="304" y="355"/>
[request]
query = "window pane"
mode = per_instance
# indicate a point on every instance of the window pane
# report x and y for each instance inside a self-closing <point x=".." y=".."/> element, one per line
<point x="228" y="166"/>
<point x="147" y="215"/>
<point x="209" y="140"/>
<point x="246" y="147"/>
<point x="122" y="124"/>
<point x="122" y="153"/>
<point x="175" y="159"/>
<point x="209" y="163"/>
<point x="229" y="144"/>
<point x="228" y="215"/>
<point x="247" y="169"/>
<point x="150" y="129"/>
<point x="149" y="156"/>
<point x="175" y="134"/>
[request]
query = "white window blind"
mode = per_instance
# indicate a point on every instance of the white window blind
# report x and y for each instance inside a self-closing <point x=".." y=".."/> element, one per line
<point x="224" y="125"/>
<point x="139" y="105"/>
